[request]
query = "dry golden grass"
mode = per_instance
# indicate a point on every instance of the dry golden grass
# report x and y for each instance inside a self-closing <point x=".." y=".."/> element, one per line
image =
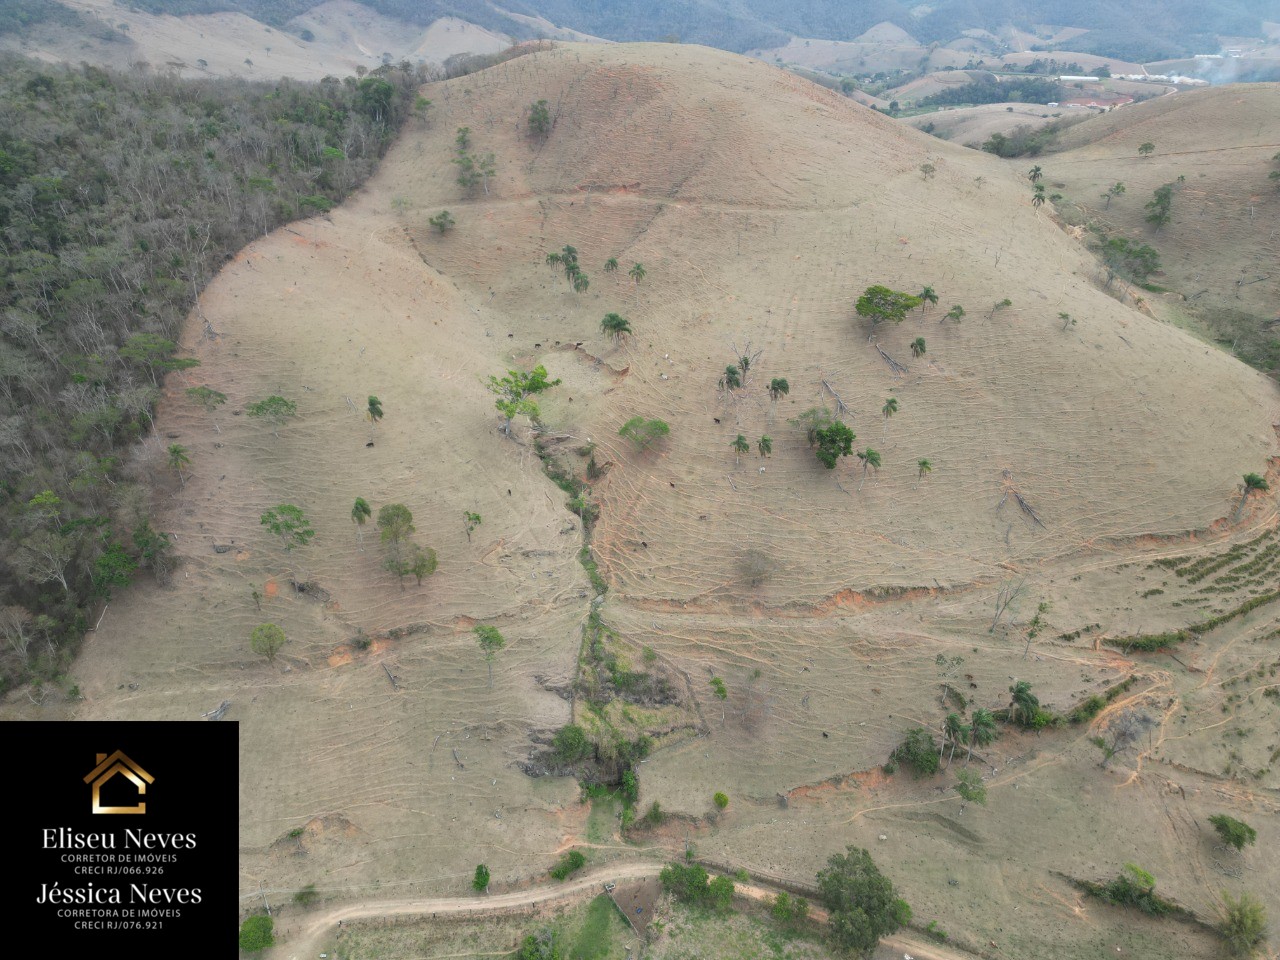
<point x="761" y="207"/>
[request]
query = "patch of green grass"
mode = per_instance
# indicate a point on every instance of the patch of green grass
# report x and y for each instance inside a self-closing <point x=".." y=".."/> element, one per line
<point x="595" y="938"/>
<point x="603" y="819"/>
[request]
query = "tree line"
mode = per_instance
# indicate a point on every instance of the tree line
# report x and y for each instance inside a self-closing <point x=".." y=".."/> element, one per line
<point x="121" y="195"/>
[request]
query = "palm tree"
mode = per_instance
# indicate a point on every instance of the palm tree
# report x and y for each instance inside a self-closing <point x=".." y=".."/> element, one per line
<point x="1035" y="175"/>
<point x="869" y="458"/>
<point x="553" y="259"/>
<point x="956" y="313"/>
<point x="616" y="326"/>
<point x="1025" y="705"/>
<point x="765" y="445"/>
<point x="917" y="347"/>
<point x="1067" y="320"/>
<point x="1113" y="191"/>
<point x="889" y="409"/>
<point x="740" y="446"/>
<point x="178" y="459"/>
<point x="1038" y="197"/>
<point x="922" y="467"/>
<point x="636" y="272"/>
<point x="1252" y="482"/>
<point x="580" y="282"/>
<point x="731" y="379"/>
<point x="374" y="414"/>
<point x="982" y="729"/>
<point x="954" y="731"/>
<point x="927" y="297"/>
<point x="778" y="387"/>
<point x="611" y="265"/>
<point x="360" y="514"/>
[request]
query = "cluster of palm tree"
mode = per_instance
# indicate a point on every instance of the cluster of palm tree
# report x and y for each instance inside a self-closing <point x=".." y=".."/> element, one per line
<point x="568" y="259"/>
<point x="979" y="731"/>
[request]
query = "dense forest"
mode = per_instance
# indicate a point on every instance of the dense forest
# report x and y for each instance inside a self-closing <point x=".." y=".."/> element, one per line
<point x="987" y="89"/>
<point x="120" y="196"/>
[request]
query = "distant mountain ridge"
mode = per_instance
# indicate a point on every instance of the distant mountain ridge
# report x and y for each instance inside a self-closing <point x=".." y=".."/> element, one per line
<point x="1139" y="30"/>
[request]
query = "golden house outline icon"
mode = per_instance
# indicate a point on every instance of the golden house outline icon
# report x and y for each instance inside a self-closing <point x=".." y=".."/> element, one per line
<point x="108" y="767"/>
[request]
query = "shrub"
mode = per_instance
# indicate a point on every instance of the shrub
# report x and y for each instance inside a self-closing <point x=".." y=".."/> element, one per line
<point x="539" y="946"/>
<point x="918" y="751"/>
<point x="644" y="433"/>
<point x="691" y="884"/>
<point x="570" y="744"/>
<point x="721" y="800"/>
<point x="306" y="896"/>
<point x="789" y="911"/>
<point x="720" y="894"/>
<point x="571" y="861"/>
<point x="655" y="816"/>
<point x="1135" y="888"/>
<point x="687" y="883"/>
<point x="1243" y="924"/>
<point x="442" y="221"/>
<point x="1232" y="831"/>
<point x="255" y="933"/>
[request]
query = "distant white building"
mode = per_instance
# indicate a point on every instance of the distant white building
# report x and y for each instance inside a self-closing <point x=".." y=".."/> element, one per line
<point x="1066" y="79"/>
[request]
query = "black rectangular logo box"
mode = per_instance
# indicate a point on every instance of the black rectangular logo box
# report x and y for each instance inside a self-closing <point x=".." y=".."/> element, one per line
<point x="126" y="836"/>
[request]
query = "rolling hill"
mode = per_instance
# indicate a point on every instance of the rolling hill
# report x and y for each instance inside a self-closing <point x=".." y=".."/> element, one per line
<point x="1084" y="486"/>
<point x="1218" y="250"/>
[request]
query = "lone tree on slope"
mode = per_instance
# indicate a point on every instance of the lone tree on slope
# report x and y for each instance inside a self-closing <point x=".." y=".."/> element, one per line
<point x="491" y="641"/>
<point x="879" y="303"/>
<point x="515" y="390"/>
<point x="1253" y="483"/>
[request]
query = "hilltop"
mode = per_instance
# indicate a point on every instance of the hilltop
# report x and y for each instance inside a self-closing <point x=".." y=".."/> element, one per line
<point x="1217" y="149"/>
<point x="1084" y="475"/>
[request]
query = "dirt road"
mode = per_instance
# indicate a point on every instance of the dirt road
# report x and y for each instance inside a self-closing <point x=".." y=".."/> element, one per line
<point x="317" y="929"/>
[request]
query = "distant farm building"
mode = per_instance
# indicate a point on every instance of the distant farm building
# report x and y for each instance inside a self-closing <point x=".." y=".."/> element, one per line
<point x="1067" y="79"/>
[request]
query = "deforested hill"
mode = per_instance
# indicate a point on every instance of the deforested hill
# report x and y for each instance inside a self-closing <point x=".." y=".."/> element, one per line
<point x="1217" y="151"/>
<point x="762" y="207"/>
<point x="671" y="232"/>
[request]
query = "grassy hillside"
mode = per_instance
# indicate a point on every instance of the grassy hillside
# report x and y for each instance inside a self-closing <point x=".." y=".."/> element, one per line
<point x="1217" y="250"/>
<point x="766" y="627"/>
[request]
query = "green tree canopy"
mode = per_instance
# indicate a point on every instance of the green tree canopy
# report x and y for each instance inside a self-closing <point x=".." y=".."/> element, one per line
<point x="540" y="119"/>
<point x="256" y="933"/>
<point x="834" y="441"/>
<point x="266" y="640"/>
<point x="491" y="641"/>
<point x="1235" y="833"/>
<point x="862" y="904"/>
<point x="395" y="523"/>
<point x="515" y="391"/>
<point x="275" y="410"/>
<point x="644" y="433"/>
<point x="290" y="524"/>
<point x="879" y="303"/>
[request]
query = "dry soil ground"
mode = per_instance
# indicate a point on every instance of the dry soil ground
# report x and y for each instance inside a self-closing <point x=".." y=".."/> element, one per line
<point x="761" y="207"/>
